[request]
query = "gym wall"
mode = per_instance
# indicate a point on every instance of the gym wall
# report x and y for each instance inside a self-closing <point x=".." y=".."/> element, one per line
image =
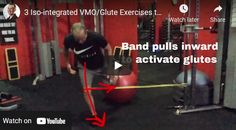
<point x="207" y="8"/>
<point x="24" y="45"/>
<point x="118" y="29"/>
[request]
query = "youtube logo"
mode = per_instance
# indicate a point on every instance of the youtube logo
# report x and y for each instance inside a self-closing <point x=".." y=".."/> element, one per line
<point x="41" y="121"/>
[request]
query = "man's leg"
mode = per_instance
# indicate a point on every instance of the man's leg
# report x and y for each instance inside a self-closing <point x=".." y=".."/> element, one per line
<point x="87" y="93"/>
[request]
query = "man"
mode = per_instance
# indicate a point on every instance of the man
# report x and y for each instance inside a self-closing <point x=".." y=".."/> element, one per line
<point x="11" y="11"/>
<point x="88" y="48"/>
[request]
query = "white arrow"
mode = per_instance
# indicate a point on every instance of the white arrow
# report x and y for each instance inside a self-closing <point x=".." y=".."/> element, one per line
<point x="219" y="8"/>
<point x="117" y="65"/>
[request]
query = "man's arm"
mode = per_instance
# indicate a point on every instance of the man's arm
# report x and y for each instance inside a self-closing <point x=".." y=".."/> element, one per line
<point x="109" y="61"/>
<point x="68" y="66"/>
<point x="108" y="49"/>
<point x="66" y="55"/>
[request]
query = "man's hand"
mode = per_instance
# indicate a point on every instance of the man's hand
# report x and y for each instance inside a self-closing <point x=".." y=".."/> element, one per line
<point x="70" y="70"/>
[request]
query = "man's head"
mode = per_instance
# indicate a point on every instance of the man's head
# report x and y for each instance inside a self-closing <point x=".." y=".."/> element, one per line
<point x="11" y="9"/>
<point x="79" y="31"/>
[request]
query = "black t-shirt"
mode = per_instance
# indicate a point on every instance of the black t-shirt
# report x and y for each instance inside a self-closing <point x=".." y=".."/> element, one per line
<point x="89" y="51"/>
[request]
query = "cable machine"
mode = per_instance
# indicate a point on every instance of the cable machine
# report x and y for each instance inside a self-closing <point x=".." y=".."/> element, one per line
<point x="191" y="31"/>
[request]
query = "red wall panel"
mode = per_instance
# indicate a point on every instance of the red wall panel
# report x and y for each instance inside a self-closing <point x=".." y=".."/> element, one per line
<point x="207" y="7"/>
<point x="24" y="45"/>
<point x="120" y="29"/>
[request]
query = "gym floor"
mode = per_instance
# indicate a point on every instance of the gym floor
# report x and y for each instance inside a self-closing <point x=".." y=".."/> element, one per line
<point x="148" y="111"/>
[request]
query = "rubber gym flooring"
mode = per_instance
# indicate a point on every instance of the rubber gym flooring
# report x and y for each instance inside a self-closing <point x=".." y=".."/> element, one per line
<point x="148" y="111"/>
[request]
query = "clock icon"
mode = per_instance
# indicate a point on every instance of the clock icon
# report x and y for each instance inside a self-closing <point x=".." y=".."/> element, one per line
<point x="183" y="8"/>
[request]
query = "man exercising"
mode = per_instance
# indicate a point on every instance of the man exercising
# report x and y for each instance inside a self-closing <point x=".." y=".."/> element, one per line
<point x="88" y="48"/>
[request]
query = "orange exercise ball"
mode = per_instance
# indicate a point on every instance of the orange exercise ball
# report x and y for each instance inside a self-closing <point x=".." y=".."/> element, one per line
<point x="123" y="95"/>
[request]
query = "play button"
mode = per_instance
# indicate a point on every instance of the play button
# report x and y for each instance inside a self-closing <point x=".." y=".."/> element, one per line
<point x="117" y="65"/>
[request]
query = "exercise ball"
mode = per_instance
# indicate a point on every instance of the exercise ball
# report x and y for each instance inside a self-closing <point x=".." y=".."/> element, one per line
<point x="203" y="92"/>
<point x="123" y="95"/>
<point x="201" y="78"/>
